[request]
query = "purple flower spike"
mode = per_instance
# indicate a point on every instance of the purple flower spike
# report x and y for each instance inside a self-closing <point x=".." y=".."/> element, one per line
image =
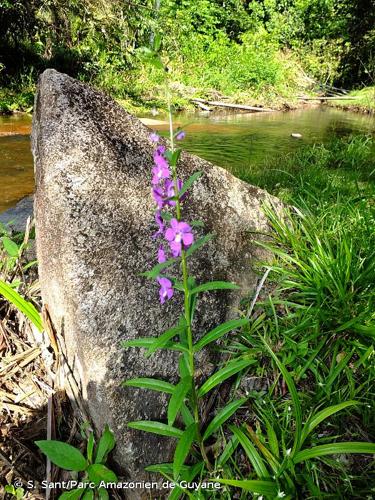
<point x="161" y="255"/>
<point x="181" y="135"/>
<point x="179" y="236"/>
<point x="154" y="137"/>
<point x="166" y="290"/>
<point x="159" y="221"/>
<point x="160" y="150"/>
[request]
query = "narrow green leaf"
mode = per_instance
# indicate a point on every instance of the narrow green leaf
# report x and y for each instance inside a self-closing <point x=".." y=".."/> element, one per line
<point x="333" y="449"/>
<point x="189" y="183"/>
<point x="21" y="304"/>
<point x="99" y="472"/>
<point x="90" y="447"/>
<point x="219" y="331"/>
<point x="198" y="244"/>
<point x="251" y="452"/>
<point x="63" y="455"/>
<point x="215" y="285"/>
<point x="294" y="395"/>
<point x="272" y="438"/>
<point x="228" y="451"/>
<point x="167" y="216"/>
<point x="183" y="448"/>
<point x="145" y="342"/>
<point x="72" y="494"/>
<point x="230" y="369"/>
<point x="163" y="339"/>
<point x="10" y="246"/>
<point x="184" y="366"/>
<point x="106" y="444"/>
<point x="197" y="223"/>
<point x="103" y="494"/>
<point x="187" y="417"/>
<point x="178" y="396"/>
<point x="316" y="419"/>
<point x="88" y="495"/>
<point x="156" y="428"/>
<point x="261" y="487"/>
<point x="165" y="468"/>
<point x="222" y="417"/>
<point x="176" y="493"/>
<point x="150" y="383"/>
<point x="156" y="270"/>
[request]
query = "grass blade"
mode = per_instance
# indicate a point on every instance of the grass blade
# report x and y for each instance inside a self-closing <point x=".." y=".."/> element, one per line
<point x="222" y="417"/>
<point x="251" y="452"/>
<point x="25" y="307"/>
<point x="219" y="331"/>
<point x="294" y="395"/>
<point x="268" y="488"/>
<point x="315" y="420"/>
<point x="228" y="451"/>
<point x="155" y="428"/>
<point x="230" y="369"/>
<point x="333" y="449"/>
<point x="150" y="383"/>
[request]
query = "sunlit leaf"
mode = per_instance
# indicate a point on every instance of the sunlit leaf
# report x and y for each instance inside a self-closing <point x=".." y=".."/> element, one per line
<point x="156" y="428"/>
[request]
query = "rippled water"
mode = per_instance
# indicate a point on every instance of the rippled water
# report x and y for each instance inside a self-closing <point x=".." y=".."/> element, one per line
<point x="229" y="140"/>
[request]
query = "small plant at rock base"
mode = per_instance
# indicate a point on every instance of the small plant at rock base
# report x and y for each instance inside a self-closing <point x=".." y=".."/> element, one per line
<point x="95" y="474"/>
<point x="17" y="493"/>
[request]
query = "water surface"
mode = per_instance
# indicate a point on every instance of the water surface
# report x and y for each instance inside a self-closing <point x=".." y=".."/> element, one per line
<point x="229" y="140"/>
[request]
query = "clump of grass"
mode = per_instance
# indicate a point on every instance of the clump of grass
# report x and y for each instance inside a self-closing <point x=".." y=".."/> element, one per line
<point x="317" y="315"/>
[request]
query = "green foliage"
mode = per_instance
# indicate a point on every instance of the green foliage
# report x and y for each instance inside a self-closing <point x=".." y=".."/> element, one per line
<point x="317" y="324"/>
<point x="246" y="50"/>
<point x="17" y="493"/>
<point x="11" y="250"/>
<point x="92" y="466"/>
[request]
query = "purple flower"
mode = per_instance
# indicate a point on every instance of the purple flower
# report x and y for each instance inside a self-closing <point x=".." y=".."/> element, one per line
<point x="158" y="195"/>
<point x="161" y="255"/>
<point x="166" y="290"/>
<point x="159" y="173"/>
<point x="154" y="137"/>
<point x="170" y="191"/>
<point x="181" y="135"/>
<point x="179" y="236"/>
<point x="160" y="150"/>
<point x="159" y="221"/>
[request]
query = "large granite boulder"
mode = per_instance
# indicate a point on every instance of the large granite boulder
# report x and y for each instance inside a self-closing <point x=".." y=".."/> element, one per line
<point x="94" y="221"/>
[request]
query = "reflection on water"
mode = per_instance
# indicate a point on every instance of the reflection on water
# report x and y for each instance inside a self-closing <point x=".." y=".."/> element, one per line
<point x="249" y="139"/>
<point x="229" y="140"/>
<point x="16" y="164"/>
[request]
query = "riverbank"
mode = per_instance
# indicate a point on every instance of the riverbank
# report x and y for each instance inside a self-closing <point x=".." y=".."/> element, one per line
<point x="361" y="101"/>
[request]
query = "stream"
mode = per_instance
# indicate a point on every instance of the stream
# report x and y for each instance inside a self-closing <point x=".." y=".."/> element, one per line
<point x="229" y="140"/>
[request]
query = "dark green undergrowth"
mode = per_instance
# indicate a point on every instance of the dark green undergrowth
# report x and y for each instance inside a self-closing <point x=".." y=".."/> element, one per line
<point x="316" y="314"/>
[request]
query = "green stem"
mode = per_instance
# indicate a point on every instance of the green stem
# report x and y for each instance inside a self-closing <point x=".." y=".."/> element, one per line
<point x="185" y="275"/>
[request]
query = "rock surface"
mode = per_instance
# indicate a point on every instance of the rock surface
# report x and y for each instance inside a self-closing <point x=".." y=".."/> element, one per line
<point x="94" y="219"/>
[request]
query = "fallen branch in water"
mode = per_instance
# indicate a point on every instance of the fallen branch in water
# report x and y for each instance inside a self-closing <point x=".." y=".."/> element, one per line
<point x="230" y="105"/>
